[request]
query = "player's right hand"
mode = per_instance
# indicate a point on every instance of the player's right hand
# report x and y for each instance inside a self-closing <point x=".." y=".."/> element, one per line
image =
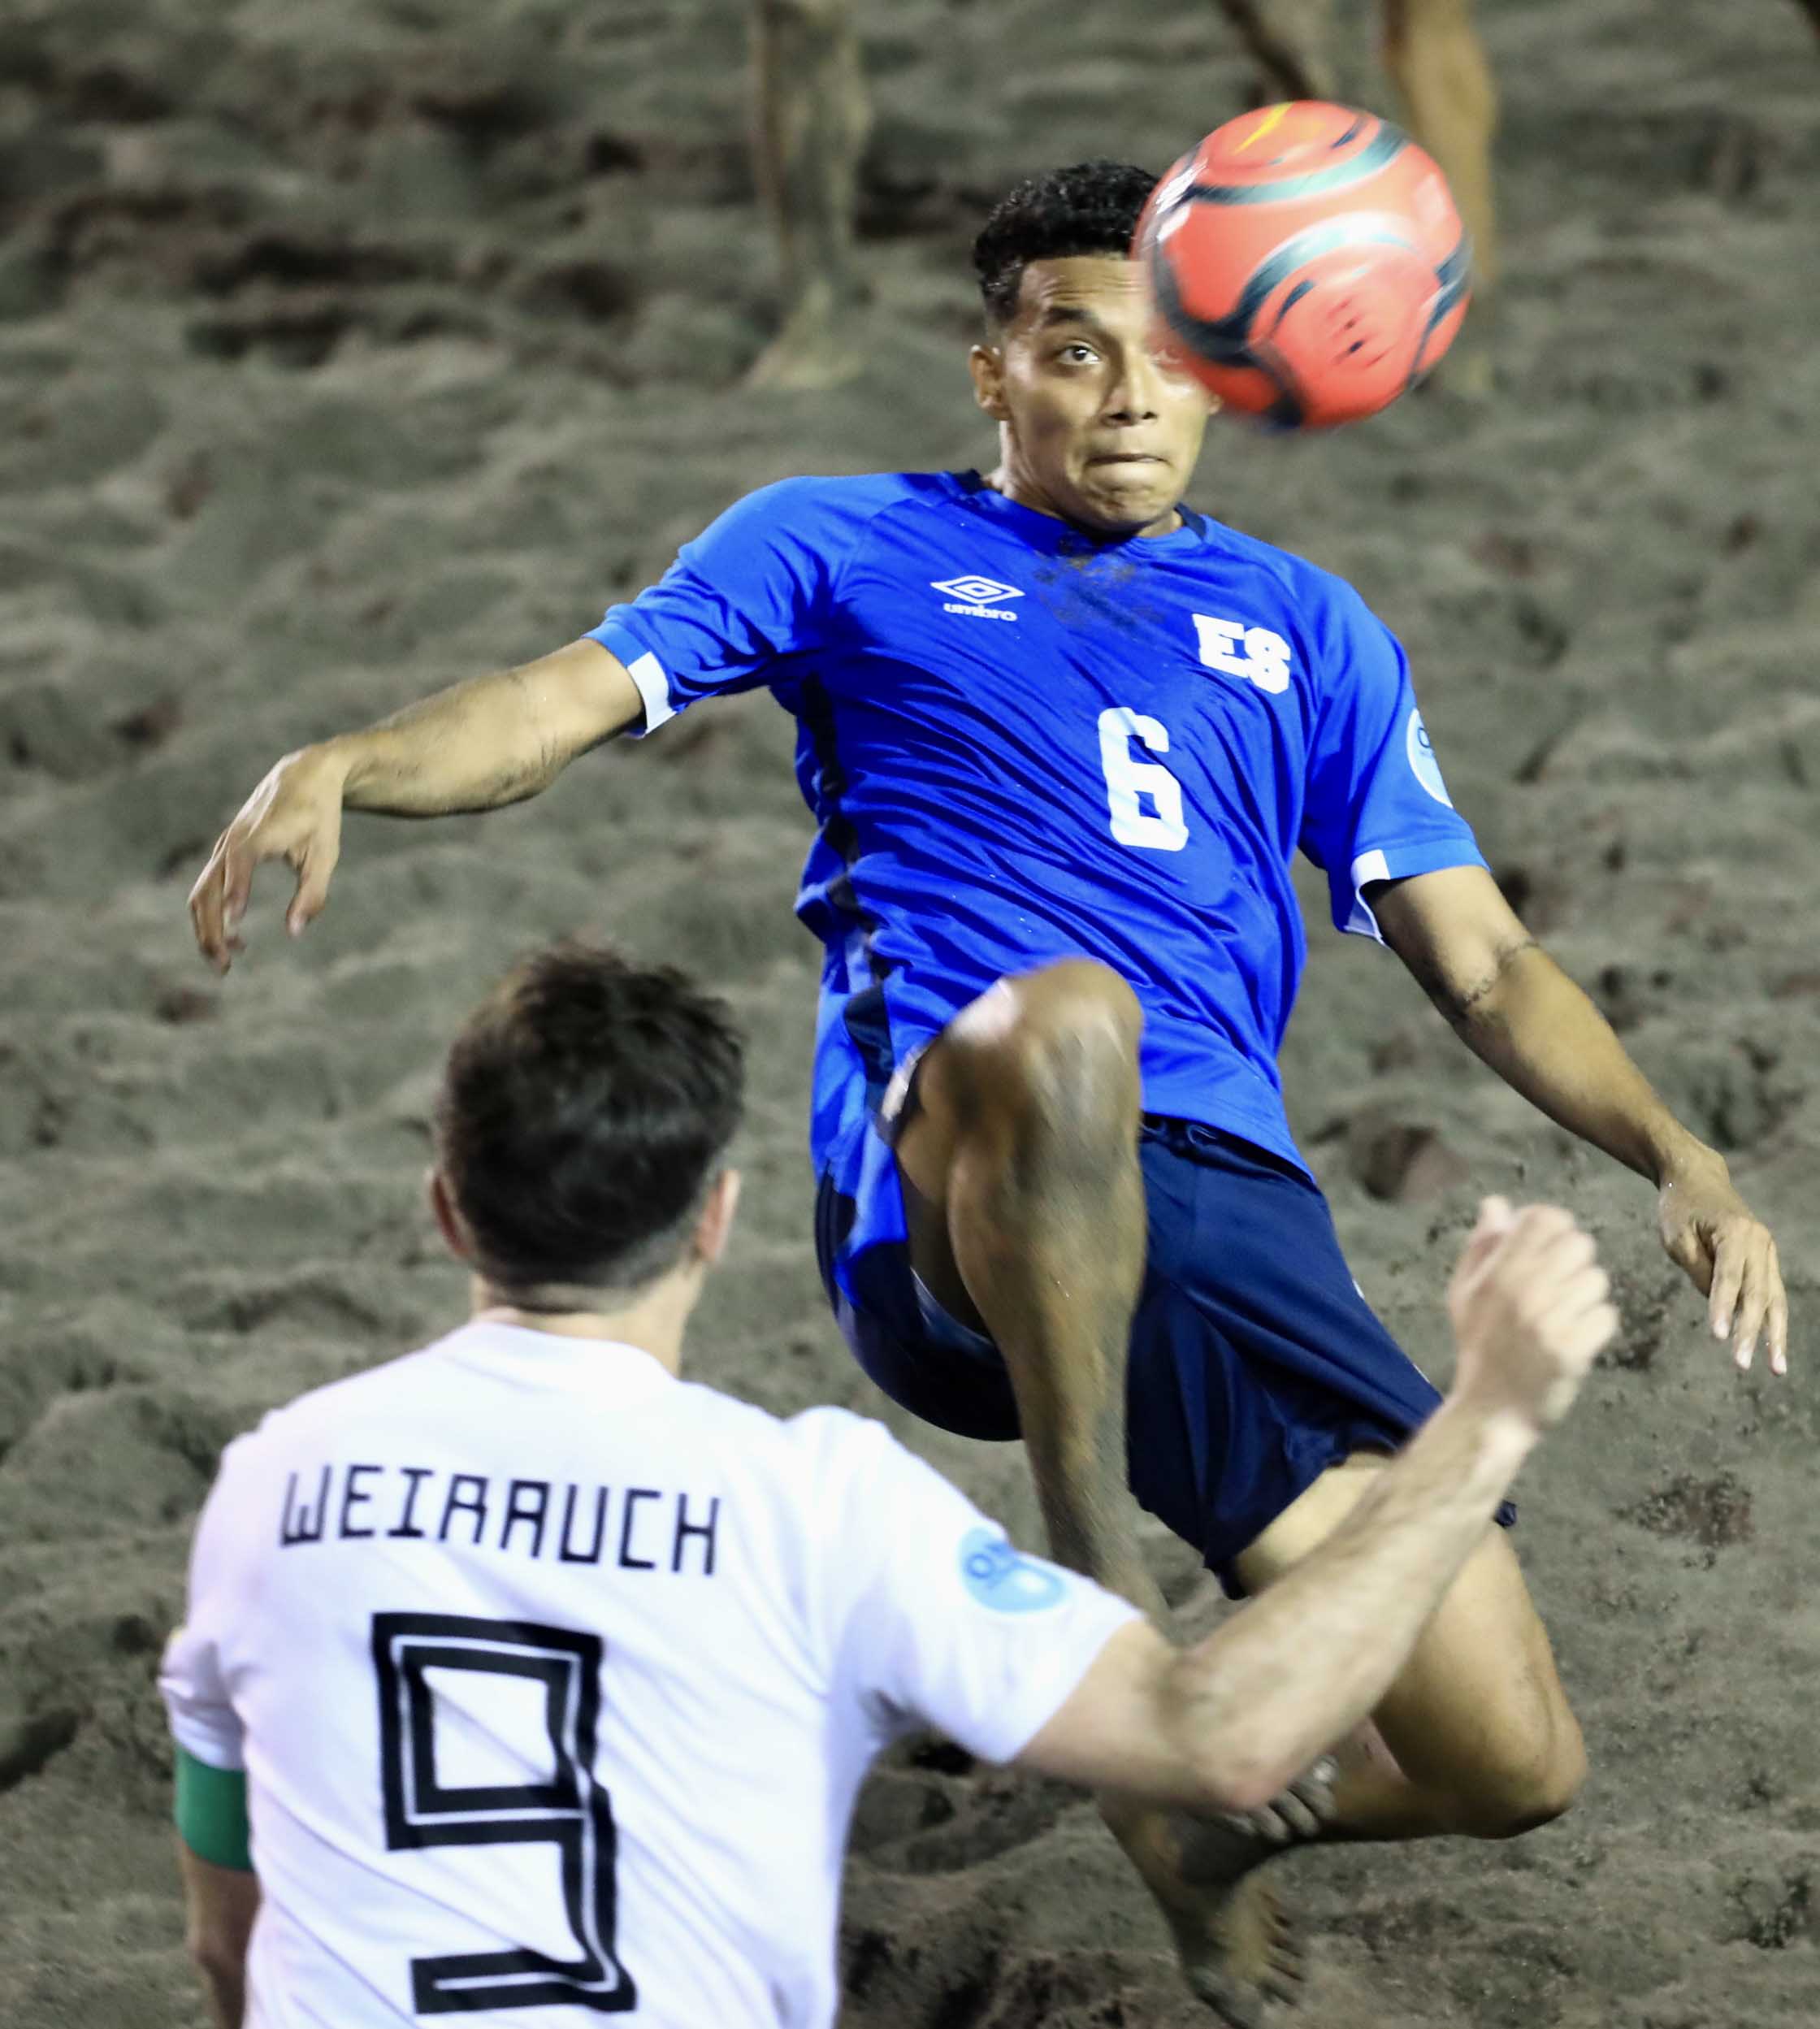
<point x="294" y="815"/>
<point x="1530" y="1308"/>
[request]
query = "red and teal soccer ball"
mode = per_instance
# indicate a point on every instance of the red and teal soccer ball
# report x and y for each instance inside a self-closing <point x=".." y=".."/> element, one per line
<point x="1305" y="262"/>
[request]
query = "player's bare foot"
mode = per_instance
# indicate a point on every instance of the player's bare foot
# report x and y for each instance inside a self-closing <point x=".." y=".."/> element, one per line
<point x="817" y="347"/>
<point x="1239" y="1950"/>
<point x="1238" y="1946"/>
<point x="1468" y="373"/>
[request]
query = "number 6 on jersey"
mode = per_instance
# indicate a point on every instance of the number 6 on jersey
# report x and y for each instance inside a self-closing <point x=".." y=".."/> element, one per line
<point x="1161" y="828"/>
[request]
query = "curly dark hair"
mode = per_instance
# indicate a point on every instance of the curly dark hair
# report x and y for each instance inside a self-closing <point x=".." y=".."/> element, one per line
<point x="1090" y="207"/>
<point x="583" y="1111"/>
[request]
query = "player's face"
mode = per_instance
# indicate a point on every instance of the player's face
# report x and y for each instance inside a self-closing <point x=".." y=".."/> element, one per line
<point x="1095" y="426"/>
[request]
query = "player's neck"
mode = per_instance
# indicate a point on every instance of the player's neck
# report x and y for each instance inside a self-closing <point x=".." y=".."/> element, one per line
<point x="1016" y="484"/>
<point x="652" y="1320"/>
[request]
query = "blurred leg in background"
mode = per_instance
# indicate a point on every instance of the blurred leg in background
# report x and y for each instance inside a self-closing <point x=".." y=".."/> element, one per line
<point x="811" y="122"/>
<point x="1437" y="66"/>
<point x="1291" y="41"/>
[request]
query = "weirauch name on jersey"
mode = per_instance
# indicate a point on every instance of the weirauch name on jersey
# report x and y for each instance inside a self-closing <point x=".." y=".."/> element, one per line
<point x="629" y="1528"/>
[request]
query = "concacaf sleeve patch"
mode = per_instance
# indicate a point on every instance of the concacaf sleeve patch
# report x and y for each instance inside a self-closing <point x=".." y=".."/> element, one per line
<point x="1003" y="1579"/>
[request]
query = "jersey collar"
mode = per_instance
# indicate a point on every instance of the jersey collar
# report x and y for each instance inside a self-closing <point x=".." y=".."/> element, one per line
<point x="605" y="1370"/>
<point x="1054" y="537"/>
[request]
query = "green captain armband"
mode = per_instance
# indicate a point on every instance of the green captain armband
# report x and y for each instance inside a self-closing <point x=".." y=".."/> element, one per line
<point x="210" y="1813"/>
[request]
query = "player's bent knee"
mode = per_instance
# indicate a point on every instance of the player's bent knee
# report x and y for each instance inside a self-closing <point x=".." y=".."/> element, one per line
<point x="1077" y="1007"/>
<point x="1524" y="1797"/>
<point x="1062" y="1042"/>
<point x="1565" y="1777"/>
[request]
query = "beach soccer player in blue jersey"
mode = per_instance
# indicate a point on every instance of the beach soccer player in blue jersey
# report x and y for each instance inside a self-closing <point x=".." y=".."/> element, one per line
<point x="1063" y="738"/>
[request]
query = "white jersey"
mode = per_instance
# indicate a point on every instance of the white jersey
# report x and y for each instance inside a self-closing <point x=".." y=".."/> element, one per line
<point x="554" y="1679"/>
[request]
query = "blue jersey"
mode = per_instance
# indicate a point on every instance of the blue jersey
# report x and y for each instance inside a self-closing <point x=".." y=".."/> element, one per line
<point x="1021" y="744"/>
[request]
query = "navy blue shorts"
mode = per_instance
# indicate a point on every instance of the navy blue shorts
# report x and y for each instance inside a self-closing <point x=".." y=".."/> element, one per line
<point x="1255" y="1363"/>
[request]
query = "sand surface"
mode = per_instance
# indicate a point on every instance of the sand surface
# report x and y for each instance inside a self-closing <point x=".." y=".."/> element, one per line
<point x="348" y="349"/>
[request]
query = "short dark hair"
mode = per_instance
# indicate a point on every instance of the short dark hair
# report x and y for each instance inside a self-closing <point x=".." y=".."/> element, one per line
<point x="582" y="1109"/>
<point x="1090" y="207"/>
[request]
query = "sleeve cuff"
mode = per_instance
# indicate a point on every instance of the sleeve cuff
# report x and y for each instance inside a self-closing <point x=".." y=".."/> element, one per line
<point x="1352" y="914"/>
<point x="645" y="670"/>
<point x="1043" y="1692"/>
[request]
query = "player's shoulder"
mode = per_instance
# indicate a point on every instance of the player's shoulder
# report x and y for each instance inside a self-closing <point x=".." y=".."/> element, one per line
<point x="799" y="1452"/>
<point x="799" y="1448"/>
<point x="338" y="1406"/>
<point x="830" y="1483"/>
<point x="846" y="501"/>
<point x="826" y="1437"/>
<point x="1307" y="586"/>
<point x="854" y="1461"/>
<point x="828" y="513"/>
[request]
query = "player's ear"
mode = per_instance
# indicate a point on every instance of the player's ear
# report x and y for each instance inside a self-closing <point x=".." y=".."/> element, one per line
<point x="986" y="364"/>
<point x="447" y="1219"/>
<point x="716" y="1221"/>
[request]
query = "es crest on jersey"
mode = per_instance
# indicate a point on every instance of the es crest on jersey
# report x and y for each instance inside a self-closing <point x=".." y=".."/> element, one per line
<point x="1257" y="654"/>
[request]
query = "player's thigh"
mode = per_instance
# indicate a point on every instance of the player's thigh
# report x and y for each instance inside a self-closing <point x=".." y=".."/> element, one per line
<point x="924" y="1151"/>
<point x="1478" y="1710"/>
<point x="1030" y="1040"/>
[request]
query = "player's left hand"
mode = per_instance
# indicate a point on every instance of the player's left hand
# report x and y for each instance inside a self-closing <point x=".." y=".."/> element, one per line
<point x="1730" y="1257"/>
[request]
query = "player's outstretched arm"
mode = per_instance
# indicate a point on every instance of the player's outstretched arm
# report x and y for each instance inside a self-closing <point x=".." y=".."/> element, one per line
<point x="479" y="746"/>
<point x="1228" y="1724"/>
<point x="1518" y="1011"/>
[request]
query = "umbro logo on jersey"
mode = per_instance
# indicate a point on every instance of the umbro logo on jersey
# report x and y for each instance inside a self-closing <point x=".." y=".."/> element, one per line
<point x="973" y="595"/>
